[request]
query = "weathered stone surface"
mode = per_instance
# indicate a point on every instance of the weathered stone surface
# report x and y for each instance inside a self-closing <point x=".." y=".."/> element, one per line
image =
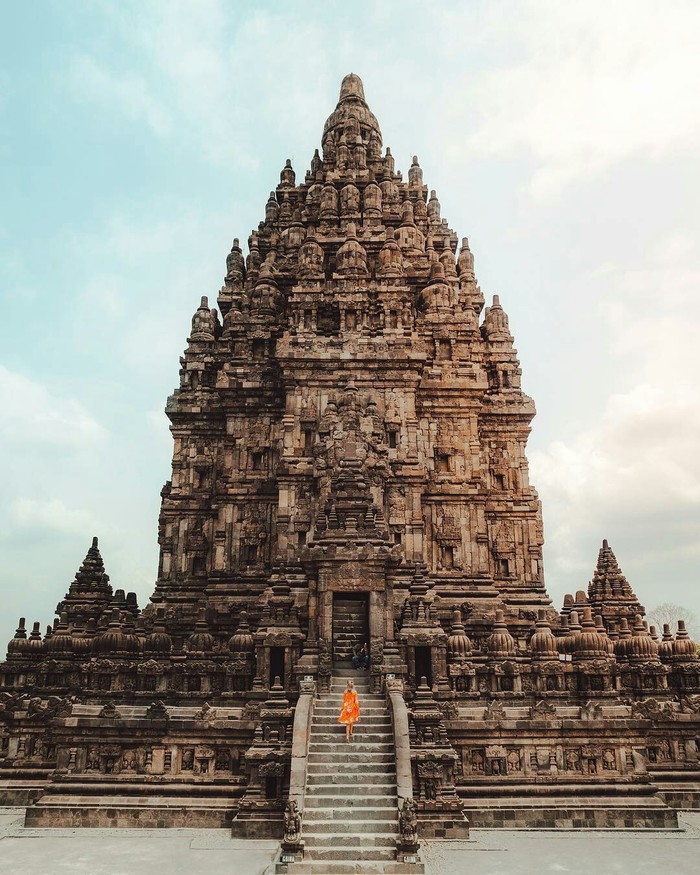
<point x="349" y="464"/>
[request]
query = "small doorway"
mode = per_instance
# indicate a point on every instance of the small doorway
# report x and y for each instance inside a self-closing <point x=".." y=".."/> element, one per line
<point x="276" y="665"/>
<point x="350" y="624"/>
<point x="424" y="666"/>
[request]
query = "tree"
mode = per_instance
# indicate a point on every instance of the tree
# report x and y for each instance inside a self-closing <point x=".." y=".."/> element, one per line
<point x="670" y="613"/>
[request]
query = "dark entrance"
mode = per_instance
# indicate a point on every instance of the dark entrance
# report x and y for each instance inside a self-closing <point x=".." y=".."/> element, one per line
<point x="276" y="664"/>
<point x="424" y="668"/>
<point x="350" y="623"/>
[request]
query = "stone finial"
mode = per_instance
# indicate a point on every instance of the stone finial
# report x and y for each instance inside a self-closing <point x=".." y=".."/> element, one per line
<point x="500" y="642"/>
<point x="242" y="639"/>
<point x="202" y="323"/>
<point x="415" y="174"/>
<point x="18" y="644"/>
<point x="465" y="262"/>
<point x="272" y="209"/>
<point x="666" y="643"/>
<point x="641" y="645"/>
<point x="683" y="647"/>
<point x="622" y="645"/>
<point x="390" y="257"/>
<point x="458" y="644"/>
<point x="158" y="641"/>
<point x="591" y="643"/>
<point x="351" y="86"/>
<point x="543" y="644"/>
<point x="433" y="208"/>
<point x="316" y="163"/>
<point x="495" y="325"/>
<point x="201" y="640"/>
<point x="288" y="176"/>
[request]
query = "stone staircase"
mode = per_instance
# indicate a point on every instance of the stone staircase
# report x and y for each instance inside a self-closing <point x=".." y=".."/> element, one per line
<point x="350" y="818"/>
<point x="349" y="627"/>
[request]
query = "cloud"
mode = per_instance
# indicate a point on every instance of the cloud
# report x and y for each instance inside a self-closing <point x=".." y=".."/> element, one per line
<point x="582" y="87"/>
<point x="52" y="514"/>
<point x="638" y="460"/>
<point x="123" y="92"/>
<point x="635" y="469"/>
<point x="34" y="415"/>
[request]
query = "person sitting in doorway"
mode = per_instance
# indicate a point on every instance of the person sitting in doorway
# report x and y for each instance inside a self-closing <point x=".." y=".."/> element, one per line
<point x="360" y="656"/>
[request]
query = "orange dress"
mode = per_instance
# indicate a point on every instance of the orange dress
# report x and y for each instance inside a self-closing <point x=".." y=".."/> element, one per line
<point x="350" y="712"/>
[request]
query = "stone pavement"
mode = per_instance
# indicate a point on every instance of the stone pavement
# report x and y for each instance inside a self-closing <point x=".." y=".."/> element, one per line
<point x="214" y="852"/>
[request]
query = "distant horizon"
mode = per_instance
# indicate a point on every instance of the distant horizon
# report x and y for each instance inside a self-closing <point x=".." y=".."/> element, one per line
<point x="143" y="138"/>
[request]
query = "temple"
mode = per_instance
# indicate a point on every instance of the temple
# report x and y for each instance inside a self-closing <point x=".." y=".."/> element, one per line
<point x="349" y="465"/>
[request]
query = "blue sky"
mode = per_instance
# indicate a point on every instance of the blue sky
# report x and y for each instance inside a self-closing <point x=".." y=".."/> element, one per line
<point x="138" y="138"/>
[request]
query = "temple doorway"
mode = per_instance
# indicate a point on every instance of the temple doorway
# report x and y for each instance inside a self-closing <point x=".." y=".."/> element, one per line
<point x="276" y="665"/>
<point x="350" y="623"/>
<point x="424" y="667"/>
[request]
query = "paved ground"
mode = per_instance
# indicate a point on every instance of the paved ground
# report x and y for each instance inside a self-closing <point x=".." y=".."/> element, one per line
<point x="534" y="852"/>
<point x="214" y="852"/>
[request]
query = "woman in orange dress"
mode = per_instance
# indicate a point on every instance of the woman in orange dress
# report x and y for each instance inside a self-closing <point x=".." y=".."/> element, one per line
<point x="350" y="712"/>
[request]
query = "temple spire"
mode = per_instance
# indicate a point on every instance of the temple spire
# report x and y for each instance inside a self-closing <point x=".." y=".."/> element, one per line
<point x="609" y="592"/>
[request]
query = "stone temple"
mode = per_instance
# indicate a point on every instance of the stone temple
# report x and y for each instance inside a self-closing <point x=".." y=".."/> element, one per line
<point x="349" y="465"/>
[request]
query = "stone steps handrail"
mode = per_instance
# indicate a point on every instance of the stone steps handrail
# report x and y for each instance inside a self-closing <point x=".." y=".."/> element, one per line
<point x="292" y="844"/>
<point x="402" y="744"/>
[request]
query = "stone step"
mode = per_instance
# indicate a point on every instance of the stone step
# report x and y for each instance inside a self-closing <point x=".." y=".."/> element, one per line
<point x="339" y="747"/>
<point x="313" y="827"/>
<point x="351" y="770"/>
<point x="353" y="674"/>
<point x="332" y="727"/>
<point x="341" y="788"/>
<point x="350" y="853"/>
<point x="330" y="706"/>
<point x="335" y="698"/>
<point x="332" y="711"/>
<point x="359" y="677"/>
<point x="365" y="814"/>
<point x="339" y="840"/>
<point x="323" y="867"/>
<point x="331" y="714"/>
<point x="385" y="779"/>
<point x="376" y="700"/>
<point x="335" y="801"/>
<point x="333" y="704"/>
<point x="362" y="733"/>
<point x="352" y="757"/>
<point x="370" y="731"/>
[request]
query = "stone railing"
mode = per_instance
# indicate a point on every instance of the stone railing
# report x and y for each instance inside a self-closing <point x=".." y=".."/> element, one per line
<point x="292" y="844"/>
<point x="407" y="845"/>
<point x="402" y="744"/>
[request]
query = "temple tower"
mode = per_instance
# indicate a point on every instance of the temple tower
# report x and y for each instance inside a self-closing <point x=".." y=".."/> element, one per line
<point x="353" y="416"/>
<point x="349" y="463"/>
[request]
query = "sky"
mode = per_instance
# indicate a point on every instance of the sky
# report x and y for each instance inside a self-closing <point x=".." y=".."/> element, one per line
<point x="138" y="138"/>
